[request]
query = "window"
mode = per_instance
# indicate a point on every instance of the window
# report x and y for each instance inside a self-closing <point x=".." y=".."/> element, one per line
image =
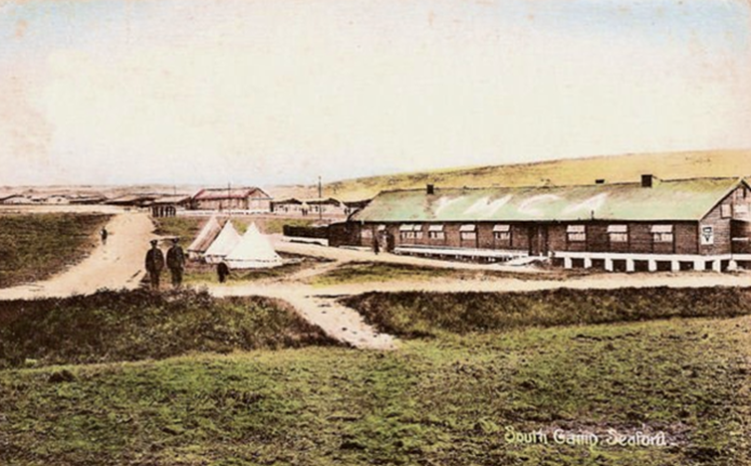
<point x="436" y="232"/>
<point x="366" y="233"/>
<point x="468" y="232"/>
<point x="576" y="233"/>
<point x="662" y="233"/>
<point x="726" y="211"/>
<point x="618" y="233"/>
<point x="741" y="209"/>
<point x="410" y="231"/>
<point x="502" y="232"/>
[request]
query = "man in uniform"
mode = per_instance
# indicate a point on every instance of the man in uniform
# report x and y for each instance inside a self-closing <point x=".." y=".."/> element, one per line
<point x="154" y="264"/>
<point x="222" y="270"/>
<point x="176" y="262"/>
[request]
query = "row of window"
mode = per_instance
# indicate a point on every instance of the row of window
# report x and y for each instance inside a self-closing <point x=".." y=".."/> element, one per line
<point x="619" y="233"/>
<point x="574" y="233"/>
<point x="466" y="232"/>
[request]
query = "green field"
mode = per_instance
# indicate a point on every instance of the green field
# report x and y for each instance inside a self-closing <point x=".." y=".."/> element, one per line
<point x="363" y="272"/>
<point x="446" y="397"/>
<point x="434" y="314"/>
<point x="36" y="246"/>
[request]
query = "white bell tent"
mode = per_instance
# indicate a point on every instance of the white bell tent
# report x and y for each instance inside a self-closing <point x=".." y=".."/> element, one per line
<point x="203" y="240"/>
<point x="254" y="251"/>
<point x="224" y="243"/>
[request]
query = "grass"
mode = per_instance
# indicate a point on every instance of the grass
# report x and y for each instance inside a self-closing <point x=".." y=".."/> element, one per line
<point x="132" y="325"/>
<point x="619" y="168"/>
<point x="446" y="402"/>
<point x="411" y="314"/>
<point x="36" y="246"/>
<point x="363" y="272"/>
<point x="185" y="228"/>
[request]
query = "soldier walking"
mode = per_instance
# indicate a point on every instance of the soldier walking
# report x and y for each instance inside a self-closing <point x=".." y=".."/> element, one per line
<point x="176" y="262"/>
<point x="154" y="264"/>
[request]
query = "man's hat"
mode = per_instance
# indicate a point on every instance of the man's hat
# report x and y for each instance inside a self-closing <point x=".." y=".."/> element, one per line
<point x="154" y="241"/>
<point x="175" y="239"/>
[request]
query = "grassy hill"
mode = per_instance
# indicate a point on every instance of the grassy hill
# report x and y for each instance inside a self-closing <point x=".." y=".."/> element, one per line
<point x="558" y="172"/>
<point x="133" y="325"/>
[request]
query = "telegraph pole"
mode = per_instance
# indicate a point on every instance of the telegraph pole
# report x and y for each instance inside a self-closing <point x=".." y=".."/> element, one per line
<point x="320" y="199"/>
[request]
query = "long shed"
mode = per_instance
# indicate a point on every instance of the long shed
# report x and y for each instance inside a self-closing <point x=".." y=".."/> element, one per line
<point x="220" y="199"/>
<point x="694" y="223"/>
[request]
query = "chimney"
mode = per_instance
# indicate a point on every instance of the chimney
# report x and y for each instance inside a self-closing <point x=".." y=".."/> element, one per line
<point x="430" y="189"/>
<point x="600" y="181"/>
<point x="646" y="181"/>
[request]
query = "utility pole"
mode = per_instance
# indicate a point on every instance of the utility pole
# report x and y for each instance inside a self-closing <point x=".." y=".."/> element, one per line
<point x="320" y="199"/>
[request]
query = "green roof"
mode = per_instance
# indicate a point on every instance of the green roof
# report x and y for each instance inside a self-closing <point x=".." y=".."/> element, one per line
<point x="671" y="200"/>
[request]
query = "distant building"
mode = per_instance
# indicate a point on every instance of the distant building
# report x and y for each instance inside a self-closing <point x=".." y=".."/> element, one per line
<point x="15" y="199"/>
<point x="691" y="224"/>
<point x="169" y="206"/>
<point x="244" y="199"/>
<point x="305" y="207"/>
<point x="133" y="200"/>
<point x="20" y="199"/>
<point x="58" y="199"/>
<point x="88" y="199"/>
<point x="288" y="206"/>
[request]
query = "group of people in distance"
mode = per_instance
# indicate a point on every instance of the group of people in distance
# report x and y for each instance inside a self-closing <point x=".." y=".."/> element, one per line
<point x="175" y="263"/>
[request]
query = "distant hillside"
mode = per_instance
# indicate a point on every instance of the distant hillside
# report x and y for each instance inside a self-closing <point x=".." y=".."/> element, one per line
<point x="558" y="172"/>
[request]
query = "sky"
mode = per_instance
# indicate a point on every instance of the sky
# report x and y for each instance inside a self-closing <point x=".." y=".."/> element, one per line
<point x="261" y="92"/>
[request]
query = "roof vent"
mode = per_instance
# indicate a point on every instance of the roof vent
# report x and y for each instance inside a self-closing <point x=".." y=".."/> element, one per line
<point x="600" y="181"/>
<point x="647" y="181"/>
<point x="430" y="189"/>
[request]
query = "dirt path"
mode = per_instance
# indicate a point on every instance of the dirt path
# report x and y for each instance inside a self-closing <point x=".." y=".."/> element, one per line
<point x="339" y="322"/>
<point x="319" y="304"/>
<point x="118" y="264"/>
